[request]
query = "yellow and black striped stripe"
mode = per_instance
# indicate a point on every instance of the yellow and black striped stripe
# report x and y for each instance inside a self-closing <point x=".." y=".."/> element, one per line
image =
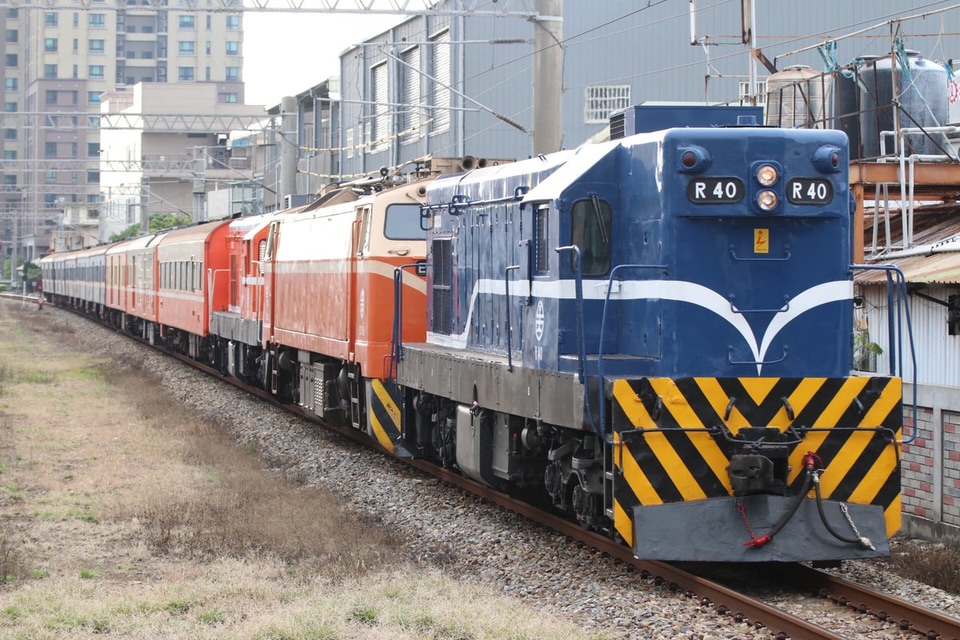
<point x="384" y="414"/>
<point x="668" y="445"/>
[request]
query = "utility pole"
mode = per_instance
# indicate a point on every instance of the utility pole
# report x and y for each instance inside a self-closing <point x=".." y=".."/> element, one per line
<point x="547" y="76"/>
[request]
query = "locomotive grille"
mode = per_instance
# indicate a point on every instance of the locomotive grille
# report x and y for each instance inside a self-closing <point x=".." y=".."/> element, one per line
<point x="442" y="286"/>
<point x="319" y="401"/>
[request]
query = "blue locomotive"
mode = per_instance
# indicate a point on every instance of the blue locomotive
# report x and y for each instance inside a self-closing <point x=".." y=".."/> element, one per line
<point x="654" y="335"/>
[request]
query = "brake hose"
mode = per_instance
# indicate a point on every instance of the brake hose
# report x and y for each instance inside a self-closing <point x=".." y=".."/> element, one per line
<point x="856" y="539"/>
<point x="759" y="541"/>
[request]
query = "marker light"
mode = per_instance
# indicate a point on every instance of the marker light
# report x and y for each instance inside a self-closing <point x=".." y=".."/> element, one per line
<point x="693" y="158"/>
<point x="828" y="159"/>
<point x="767" y="200"/>
<point x="767" y="175"/>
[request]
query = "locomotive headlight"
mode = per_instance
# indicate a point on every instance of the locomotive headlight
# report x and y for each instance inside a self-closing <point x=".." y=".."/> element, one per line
<point x="767" y="175"/>
<point x="767" y="200"/>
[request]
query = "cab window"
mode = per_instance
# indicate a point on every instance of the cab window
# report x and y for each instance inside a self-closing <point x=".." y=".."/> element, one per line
<point x="403" y="222"/>
<point x="590" y="230"/>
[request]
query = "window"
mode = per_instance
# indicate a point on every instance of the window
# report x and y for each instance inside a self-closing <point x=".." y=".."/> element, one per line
<point x="96" y="46"/>
<point x="13" y="13"/>
<point x="233" y="23"/>
<point x="187" y="22"/>
<point x="97" y="20"/>
<point x="10" y="107"/>
<point x="9" y="180"/>
<point x="9" y="134"/>
<point x="50" y="177"/>
<point x="184" y="73"/>
<point x="410" y="94"/>
<point x="9" y="154"/>
<point x="402" y="222"/>
<point x="50" y="45"/>
<point x="233" y="47"/>
<point x="93" y="97"/>
<point x="49" y="149"/>
<point x="440" y="66"/>
<point x="50" y="18"/>
<point x="541" y="241"/>
<point x="186" y="47"/>
<point x="209" y="47"/>
<point x="10" y="60"/>
<point x="380" y="114"/>
<point x="590" y="230"/>
<point x="229" y="98"/>
<point x="206" y="74"/>
<point x="209" y="22"/>
<point x="93" y="177"/>
<point x="761" y="92"/>
<point x="51" y="97"/>
<point x="602" y="100"/>
<point x="12" y="35"/>
<point x="50" y="71"/>
<point x="233" y="73"/>
<point x="96" y="72"/>
<point x="93" y="149"/>
<point x="76" y="45"/>
<point x="10" y="84"/>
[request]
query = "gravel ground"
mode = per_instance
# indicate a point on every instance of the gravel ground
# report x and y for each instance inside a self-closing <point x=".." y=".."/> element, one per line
<point x="478" y="542"/>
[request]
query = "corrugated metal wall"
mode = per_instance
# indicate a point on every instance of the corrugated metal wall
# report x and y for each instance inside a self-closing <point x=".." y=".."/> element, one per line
<point x="937" y="351"/>
<point x="614" y="42"/>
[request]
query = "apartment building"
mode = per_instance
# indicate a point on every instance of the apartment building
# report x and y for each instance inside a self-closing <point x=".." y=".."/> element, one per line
<point x="57" y="64"/>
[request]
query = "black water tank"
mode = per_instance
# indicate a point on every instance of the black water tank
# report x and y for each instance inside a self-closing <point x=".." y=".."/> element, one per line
<point x="923" y="97"/>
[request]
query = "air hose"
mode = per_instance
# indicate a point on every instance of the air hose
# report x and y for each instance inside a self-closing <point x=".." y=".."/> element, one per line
<point x="759" y="541"/>
<point x="856" y="538"/>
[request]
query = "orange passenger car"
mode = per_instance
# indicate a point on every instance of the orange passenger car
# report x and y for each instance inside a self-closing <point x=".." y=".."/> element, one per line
<point x="193" y="273"/>
<point x="131" y="280"/>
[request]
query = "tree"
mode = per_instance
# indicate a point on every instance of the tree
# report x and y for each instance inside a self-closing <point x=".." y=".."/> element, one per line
<point x="158" y="222"/>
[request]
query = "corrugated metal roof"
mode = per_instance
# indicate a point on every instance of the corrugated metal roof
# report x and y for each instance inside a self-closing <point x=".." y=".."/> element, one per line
<point x="936" y="240"/>
<point x="940" y="268"/>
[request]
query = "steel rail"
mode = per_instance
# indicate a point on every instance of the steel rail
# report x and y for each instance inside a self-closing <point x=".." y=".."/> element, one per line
<point x="907" y="615"/>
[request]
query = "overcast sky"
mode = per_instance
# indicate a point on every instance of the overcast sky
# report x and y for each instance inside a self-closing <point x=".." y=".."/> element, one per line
<point x="286" y="53"/>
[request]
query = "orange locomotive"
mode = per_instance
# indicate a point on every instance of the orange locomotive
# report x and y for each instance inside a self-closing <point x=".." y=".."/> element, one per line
<point x="332" y="272"/>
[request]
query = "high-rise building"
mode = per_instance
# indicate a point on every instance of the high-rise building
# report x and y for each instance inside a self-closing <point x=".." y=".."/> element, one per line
<point x="57" y="64"/>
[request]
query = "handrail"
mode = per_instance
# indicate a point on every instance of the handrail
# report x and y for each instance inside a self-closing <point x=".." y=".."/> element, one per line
<point x="506" y="287"/>
<point x="581" y="348"/>
<point x="897" y="283"/>
<point x="396" y="339"/>
<point x="603" y="321"/>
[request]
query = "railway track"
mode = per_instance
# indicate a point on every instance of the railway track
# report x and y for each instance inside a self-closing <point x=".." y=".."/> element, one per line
<point x="724" y="600"/>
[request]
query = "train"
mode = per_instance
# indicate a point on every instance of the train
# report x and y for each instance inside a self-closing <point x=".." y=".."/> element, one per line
<point x="652" y="336"/>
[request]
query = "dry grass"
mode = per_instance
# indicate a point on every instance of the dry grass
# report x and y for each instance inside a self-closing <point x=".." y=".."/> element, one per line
<point x="230" y="505"/>
<point x="935" y="564"/>
<point x="124" y="515"/>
